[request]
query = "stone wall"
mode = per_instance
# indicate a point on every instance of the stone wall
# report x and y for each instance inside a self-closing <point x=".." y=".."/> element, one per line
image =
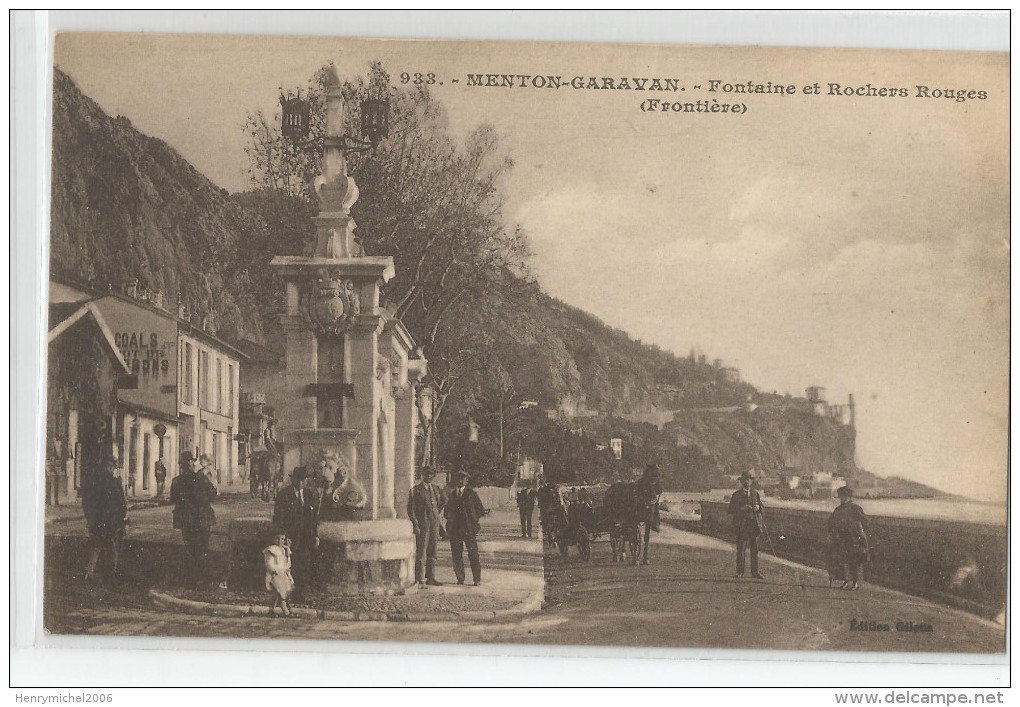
<point x="494" y="496"/>
<point x="961" y="564"/>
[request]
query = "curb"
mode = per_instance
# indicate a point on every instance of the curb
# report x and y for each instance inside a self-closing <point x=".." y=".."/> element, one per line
<point x="530" y="604"/>
<point x="131" y="506"/>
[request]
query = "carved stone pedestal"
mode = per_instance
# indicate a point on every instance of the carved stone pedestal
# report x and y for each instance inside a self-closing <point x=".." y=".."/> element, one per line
<point x="248" y="537"/>
<point x="354" y="557"/>
<point x="366" y="557"/>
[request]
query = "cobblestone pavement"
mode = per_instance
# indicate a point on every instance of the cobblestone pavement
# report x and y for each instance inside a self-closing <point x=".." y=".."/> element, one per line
<point x="426" y="600"/>
<point x="510" y="566"/>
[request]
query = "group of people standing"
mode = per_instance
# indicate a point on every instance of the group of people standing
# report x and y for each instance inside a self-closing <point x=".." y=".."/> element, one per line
<point x="847" y="527"/>
<point x="428" y="506"/>
<point x="104" y="505"/>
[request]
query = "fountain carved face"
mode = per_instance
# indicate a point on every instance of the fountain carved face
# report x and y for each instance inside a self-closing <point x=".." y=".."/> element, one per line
<point x="333" y="469"/>
<point x="343" y="493"/>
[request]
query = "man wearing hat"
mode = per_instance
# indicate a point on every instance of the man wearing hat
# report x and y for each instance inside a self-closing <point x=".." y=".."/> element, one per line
<point x="848" y="534"/>
<point x="105" y="510"/>
<point x="463" y="512"/>
<point x="424" y="508"/>
<point x="745" y="505"/>
<point x="192" y="495"/>
<point x="296" y="513"/>
<point x="526" y="506"/>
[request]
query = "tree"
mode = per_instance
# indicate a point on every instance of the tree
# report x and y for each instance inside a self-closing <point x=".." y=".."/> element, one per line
<point x="498" y="410"/>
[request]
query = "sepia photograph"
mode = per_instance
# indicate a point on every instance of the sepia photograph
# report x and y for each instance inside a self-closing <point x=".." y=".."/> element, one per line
<point x="540" y="343"/>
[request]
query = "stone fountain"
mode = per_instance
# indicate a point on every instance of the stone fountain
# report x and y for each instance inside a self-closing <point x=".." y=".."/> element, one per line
<point x="345" y="399"/>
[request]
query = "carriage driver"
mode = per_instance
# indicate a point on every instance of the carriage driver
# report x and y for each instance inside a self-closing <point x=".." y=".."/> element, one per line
<point x="269" y="437"/>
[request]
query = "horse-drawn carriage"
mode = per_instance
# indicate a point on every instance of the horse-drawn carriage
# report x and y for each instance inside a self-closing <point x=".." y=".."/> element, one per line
<point x="573" y="517"/>
<point x="579" y="516"/>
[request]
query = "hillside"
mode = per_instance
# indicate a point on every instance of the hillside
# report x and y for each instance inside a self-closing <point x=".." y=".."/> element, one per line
<point x="565" y="359"/>
<point x="126" y="205"/>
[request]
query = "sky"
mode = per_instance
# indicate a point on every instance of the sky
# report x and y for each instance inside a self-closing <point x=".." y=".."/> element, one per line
<point x="856" y="243"/>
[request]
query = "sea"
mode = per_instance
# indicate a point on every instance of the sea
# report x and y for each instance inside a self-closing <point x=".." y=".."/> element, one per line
<point x="684" y="505"/>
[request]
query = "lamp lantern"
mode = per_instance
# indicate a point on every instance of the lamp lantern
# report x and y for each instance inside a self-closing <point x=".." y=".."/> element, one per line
<point x="375" y="120"/>
<point x="297" y="118"/>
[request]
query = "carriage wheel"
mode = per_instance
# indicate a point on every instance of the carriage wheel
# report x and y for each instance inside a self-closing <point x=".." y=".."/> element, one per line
<point x="584" y="545"/>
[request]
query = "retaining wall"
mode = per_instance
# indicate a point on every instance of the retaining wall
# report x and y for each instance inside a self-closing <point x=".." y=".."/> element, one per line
<point x="962" y="564"/>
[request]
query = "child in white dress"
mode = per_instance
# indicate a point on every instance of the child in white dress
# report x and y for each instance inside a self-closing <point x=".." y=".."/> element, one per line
<point x="279" y="580"/>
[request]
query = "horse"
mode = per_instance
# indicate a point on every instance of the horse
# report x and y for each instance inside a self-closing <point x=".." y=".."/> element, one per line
<point x="628" y="505"/>
<point x="266" y="474"/>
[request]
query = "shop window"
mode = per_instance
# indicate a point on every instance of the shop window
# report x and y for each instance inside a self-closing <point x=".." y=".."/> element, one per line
<point x="146" y="459"/>
<point x="132" y="459"/>
<point x="219" y="385"/>
<point x="186" y="376"/>
<point x="203" y="379"/>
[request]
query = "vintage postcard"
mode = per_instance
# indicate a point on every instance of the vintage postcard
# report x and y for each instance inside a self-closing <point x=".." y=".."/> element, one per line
<point x="539" y="343"/>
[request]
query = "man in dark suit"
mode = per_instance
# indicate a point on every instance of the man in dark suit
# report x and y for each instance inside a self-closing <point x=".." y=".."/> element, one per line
<point x="463" y="513"/>
<point x="102" y="502"/>
<point x="745" y="506"/>
<point x="526" y="505"/>
<point x="848" y="536"/>
<point x="192" y="495"/>
<point x="297" y="513"/>
<point x="424" y="509"/>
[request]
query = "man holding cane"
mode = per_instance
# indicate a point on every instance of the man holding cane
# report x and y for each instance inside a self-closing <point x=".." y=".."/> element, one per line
<point x="745" y="507"/>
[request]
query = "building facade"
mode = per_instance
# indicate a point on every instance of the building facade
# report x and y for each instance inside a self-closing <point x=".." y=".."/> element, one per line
<point x="187" y="392"/>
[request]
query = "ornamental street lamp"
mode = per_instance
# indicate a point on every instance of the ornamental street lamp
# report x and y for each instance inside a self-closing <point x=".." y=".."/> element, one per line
<point x="426" y="408"/>
<point x="334" y="187"/>
<point x="297" y="124"/>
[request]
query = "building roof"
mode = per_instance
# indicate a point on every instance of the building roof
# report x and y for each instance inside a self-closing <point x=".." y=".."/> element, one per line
<point x="150" y="411"/>
<point x="183" y="325"/>
<point x="65" y="315"/>
<point x="258" y="353"/>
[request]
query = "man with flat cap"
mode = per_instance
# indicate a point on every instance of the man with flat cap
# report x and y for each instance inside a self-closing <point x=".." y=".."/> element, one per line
<point x="463" y="512"/>
<point x="745" y="507"/>
<point x="296" y="513"/>
<point x="424" y="510"/>
<point x="848" y="528"/>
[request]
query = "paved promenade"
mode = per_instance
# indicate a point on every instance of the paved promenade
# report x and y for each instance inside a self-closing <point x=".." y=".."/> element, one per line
<point x="688" y="597"/>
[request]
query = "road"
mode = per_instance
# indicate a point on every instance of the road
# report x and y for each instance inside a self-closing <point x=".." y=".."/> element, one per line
<point x="687" y="597"/>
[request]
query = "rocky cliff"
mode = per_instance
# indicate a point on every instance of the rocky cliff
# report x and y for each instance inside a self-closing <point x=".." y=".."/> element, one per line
<point x="126" y="205"/>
